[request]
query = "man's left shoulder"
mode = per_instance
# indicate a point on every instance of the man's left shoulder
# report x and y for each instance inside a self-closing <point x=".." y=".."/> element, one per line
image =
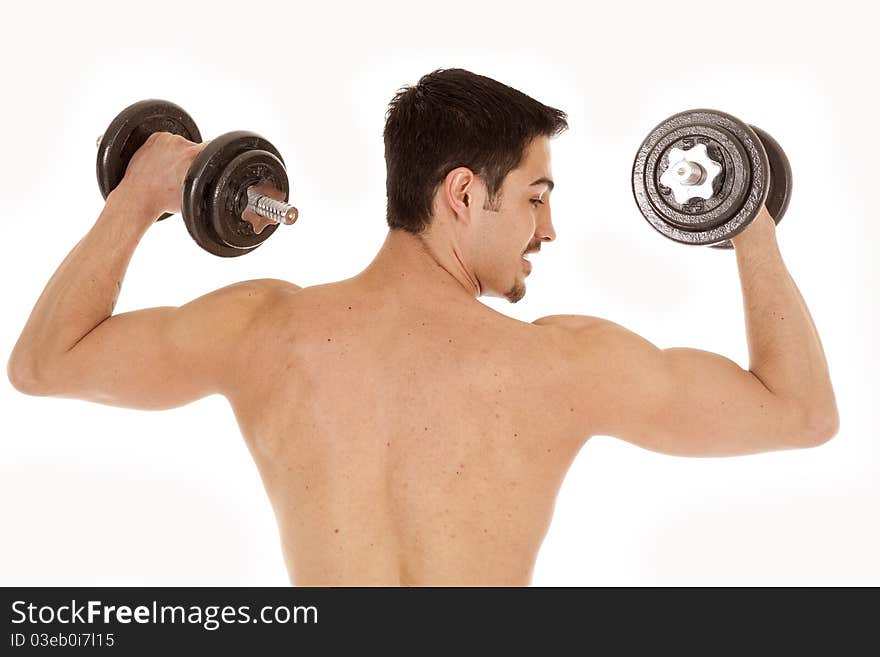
<point x="258" y="289"/>
<point x="247" y="299"/>
<point x="271" y="285"/>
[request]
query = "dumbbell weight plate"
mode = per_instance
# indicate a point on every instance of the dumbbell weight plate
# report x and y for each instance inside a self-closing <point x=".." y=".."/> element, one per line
<point x="215" y="191"/>
<point x="780" y="181"/>
<point x="128" y="132"/>
<point x="252" y="167"/>
<point x="731" y="187"/>
<point x="740" y="190"/>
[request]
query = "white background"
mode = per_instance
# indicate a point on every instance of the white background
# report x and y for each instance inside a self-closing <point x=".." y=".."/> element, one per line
<point x="97" y="495"/>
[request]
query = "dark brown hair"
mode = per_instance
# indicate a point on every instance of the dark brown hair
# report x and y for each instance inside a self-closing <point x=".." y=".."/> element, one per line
<point x="454" y="118"/>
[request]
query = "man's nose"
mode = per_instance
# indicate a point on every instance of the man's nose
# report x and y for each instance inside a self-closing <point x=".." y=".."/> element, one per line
<point x="545" y="232"/>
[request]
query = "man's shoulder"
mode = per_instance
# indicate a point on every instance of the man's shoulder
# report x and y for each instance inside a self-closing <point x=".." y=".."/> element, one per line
<point x="579" y="338"/>
<point x="268" y="285"/>
<point x="256" y="290"/>
<point x="247" y="299"/>
<point x="572" y="322"/>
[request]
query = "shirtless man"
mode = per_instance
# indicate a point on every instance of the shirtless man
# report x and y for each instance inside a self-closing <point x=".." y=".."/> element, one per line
<point x="405" y="432"/>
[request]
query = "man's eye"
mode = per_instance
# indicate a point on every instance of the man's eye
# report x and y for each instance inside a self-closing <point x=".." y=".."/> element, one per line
<point x="537" y="201"/>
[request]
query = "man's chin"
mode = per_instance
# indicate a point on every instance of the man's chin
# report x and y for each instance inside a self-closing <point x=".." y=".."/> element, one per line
<point x="517" y="292"/>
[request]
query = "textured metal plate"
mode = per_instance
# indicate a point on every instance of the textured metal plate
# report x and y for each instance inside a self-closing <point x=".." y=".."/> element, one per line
<point x="205" y="199"/>
<point x="128" y="132"/>
<point x="252" y="167"/>
<point x="742" y="191"/>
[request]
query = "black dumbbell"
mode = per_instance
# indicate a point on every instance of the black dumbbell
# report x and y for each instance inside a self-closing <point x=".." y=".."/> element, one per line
<point x="701" y="176"/>
<point x="225" y="179"/>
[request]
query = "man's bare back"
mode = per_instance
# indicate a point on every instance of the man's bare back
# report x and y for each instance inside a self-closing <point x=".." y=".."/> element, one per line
<point x="405" y="443"/>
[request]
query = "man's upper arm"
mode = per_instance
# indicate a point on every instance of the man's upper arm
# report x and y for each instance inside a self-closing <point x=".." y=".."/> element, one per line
<point x="168" y="356"/>
<point x="678" y="401"/>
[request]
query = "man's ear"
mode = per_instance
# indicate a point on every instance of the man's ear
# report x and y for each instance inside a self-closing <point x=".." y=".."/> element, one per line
<point x="458" y="191"/>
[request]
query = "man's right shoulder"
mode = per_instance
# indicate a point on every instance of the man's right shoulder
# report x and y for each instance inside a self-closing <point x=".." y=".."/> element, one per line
<point x="256" y="299"/>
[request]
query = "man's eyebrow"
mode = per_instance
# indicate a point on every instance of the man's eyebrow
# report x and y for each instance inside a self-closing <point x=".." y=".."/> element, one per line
<point x="544" y="181"/>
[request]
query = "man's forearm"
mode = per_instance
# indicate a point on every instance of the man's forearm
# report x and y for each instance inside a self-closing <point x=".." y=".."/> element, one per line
<point x="83" y="290"/>
<point x="785" y="351"/>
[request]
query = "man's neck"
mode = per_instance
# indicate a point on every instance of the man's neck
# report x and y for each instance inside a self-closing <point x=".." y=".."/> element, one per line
<point x="418" y="264"/>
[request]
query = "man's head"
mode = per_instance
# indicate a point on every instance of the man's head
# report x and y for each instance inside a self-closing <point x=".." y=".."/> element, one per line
<point x="468" y="162"/>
